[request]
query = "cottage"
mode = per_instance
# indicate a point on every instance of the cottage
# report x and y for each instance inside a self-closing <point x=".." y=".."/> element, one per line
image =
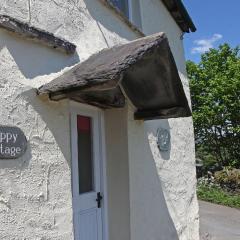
<point x="95" y="130"/>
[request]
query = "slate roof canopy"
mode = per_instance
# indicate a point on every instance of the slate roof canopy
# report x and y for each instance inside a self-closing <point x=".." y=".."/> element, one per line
<point x="143" y="70"/>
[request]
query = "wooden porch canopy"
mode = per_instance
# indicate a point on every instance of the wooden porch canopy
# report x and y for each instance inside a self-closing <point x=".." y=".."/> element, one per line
<point x="143" y="70"/>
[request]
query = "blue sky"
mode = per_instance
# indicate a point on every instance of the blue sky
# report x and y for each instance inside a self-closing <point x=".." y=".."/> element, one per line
<point x="217" y="21"/>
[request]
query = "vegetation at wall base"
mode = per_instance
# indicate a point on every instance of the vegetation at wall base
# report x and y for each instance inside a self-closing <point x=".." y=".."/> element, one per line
<point x="222" y="187"/>
<point x="217" y="195"/>
<point x="228" y="179"/>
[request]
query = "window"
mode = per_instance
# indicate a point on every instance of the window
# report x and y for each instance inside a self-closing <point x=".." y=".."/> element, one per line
<point x="122" y="5"/>
<point x="131" y="9"/>
<point x="85" y="158"/>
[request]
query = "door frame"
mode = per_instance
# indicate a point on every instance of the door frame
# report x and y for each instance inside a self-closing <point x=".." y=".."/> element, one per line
<point x="77" y="108"/>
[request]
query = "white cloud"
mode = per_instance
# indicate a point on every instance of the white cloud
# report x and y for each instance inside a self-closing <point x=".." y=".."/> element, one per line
<point x="203" y="45"/>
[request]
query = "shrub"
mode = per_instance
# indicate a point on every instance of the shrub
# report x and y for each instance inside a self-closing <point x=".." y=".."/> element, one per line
<point x="228" y="178"/>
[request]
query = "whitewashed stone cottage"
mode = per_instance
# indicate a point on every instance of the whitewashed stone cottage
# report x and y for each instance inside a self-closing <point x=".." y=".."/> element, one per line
<point x="95" y="145"/>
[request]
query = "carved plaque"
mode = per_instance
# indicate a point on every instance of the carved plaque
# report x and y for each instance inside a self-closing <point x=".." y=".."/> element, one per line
<point x="163" y="139"/>
<point x="13" y="142"/>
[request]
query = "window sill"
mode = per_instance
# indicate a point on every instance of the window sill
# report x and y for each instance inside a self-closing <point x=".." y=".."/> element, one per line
<point x="109" y="5"/>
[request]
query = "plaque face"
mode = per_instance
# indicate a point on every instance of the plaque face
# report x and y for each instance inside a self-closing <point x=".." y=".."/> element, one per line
<point x="13" y="142"/>
<point x="163" y="139"/>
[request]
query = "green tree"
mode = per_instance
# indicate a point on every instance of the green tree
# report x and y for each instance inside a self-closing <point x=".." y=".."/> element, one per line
<point x="215" y="93"/>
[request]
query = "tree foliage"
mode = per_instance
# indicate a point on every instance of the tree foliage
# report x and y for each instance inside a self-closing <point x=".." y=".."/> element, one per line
<point x="215" y="92"/>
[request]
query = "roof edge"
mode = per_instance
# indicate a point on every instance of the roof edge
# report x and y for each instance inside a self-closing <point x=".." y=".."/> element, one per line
<point x="180" y="15"/>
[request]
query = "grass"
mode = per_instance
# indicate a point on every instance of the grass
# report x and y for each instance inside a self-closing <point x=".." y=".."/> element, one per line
<point x="218" y="196"/>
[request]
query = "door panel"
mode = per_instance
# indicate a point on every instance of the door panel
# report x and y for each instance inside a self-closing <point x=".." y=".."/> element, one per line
<point x="86" y="174"/>
<point x="88" y="225"/>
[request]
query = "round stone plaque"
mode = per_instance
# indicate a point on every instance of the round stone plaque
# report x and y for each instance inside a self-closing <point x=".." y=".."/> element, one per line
<point x="13" y="142"/>
<point x="163" y="139"/>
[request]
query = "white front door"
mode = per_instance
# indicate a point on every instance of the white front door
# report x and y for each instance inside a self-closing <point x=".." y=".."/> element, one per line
<point x="86" y="173"/>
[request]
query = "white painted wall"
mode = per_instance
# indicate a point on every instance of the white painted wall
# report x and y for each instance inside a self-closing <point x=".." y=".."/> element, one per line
<point x="118" y="173"/>
<point x="135" y="13"/>
<point x="156" y="18"/>
<point x="162" y="185"/>
<point x="163" y="202"/>
<point x="35" y="190"/>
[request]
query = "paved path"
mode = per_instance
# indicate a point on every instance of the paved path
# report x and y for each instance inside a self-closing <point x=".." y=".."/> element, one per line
<point x="219" y="222"/>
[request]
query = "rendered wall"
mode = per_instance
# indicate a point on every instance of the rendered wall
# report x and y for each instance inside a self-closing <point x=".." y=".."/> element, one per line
<point x="156" y="18"/>
<point x="35" y="190"/>
<point x="117" y="173"/>
<point x="163" y="202"/>
<point x="163" y="184"/>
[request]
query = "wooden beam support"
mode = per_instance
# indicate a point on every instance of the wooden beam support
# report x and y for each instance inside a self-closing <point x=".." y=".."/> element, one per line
<point x="101" y="98"/>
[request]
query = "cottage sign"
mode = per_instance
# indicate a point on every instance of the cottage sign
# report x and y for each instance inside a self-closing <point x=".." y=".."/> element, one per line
<point x="13" y="142"/>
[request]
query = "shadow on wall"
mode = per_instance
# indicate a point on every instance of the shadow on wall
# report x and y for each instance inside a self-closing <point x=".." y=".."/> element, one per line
<point x="106" y="19"/>
<point x="167" y="229"/>
<point x="55" y="117"/>
<point x="35" y="59"/>
<point x="152" y="219"/>
<point x="56" y="123"/>
<point x="167" y="226"/>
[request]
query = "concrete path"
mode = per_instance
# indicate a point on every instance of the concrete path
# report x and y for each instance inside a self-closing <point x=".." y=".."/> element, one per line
<point x="219" y="222"/>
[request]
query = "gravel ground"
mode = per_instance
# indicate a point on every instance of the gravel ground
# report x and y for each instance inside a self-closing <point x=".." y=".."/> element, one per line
<point x="219" y="222"/>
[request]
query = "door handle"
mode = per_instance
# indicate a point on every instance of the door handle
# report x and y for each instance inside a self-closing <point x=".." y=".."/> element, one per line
<point x="99" y="199"/>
